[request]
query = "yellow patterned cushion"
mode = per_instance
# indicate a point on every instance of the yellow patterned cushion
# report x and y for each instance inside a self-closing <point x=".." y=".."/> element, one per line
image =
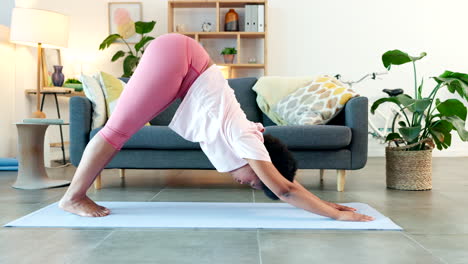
<point x="112" y="88"/>
<point x="315" y="103"/>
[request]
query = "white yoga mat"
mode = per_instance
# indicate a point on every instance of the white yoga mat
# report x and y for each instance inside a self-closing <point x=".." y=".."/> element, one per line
<point x="202" y="215"/>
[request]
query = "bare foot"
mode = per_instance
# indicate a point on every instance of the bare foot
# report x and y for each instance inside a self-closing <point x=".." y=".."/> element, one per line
<point x="83" y="207"/>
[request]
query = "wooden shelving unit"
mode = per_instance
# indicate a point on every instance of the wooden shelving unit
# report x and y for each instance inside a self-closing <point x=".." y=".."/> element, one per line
<point x="219" y="33"/>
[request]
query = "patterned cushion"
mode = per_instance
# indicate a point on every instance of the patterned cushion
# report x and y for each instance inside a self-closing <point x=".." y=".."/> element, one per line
<point x="316" y="103"/>
<point x="112" y="88"/>
<point x="93" y="92"/>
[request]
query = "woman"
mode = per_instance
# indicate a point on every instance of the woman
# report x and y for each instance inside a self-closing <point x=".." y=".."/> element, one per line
<point x="175" y="66"/>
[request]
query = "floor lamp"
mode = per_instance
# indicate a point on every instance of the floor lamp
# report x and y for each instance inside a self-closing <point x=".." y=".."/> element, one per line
<point x="41" y="29"/>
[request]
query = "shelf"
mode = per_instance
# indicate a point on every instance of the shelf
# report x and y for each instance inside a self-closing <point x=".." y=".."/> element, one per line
<point x="225" y="34"/>
<point x="243" y="65"/>
<point x="212" y="3"/>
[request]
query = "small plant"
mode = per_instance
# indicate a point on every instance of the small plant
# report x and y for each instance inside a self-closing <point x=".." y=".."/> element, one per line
<point x="72" y="80"/>
<point x="423" y="123"/>
<point x="132" y="58"/>
<point x="228" y="51"/>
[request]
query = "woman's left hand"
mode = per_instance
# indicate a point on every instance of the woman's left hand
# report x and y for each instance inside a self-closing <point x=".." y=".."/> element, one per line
<point x="340" y="207"/>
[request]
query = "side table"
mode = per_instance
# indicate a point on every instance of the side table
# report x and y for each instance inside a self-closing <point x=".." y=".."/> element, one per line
<point x="69" y="92"/>
<point x="31" y="171"/>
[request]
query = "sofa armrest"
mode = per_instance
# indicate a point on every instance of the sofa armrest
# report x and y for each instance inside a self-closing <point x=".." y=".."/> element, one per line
<point x="80" y="126"/>
<point x="356" y="118"/>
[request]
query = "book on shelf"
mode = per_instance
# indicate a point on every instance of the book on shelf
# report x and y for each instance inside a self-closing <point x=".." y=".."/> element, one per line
<point x="254" y="18"/>
<point x="261" y="18"/>
<point x="43" y="121"/>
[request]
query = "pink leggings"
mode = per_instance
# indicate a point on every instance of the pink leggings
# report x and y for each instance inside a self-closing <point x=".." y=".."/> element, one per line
<point x="167" y="69"/>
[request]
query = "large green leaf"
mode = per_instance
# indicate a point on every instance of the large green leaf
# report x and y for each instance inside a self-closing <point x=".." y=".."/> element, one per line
<point x="451" y="107"/>
<point x="455" y="81"/>
<point x="458" y="125"/>
<point x="129" y="64"/>
<point x="108" y="41"/>
<point x="392" y="136"/>
<point x="378" y="102"/>
<point x="398" y="57"/>
<point x="142" y="42"/>
<point x="441" y="133"/>
<point x="414" y="105"/>
<point x="410" y="133"/>
<point x="144" y="27"/>
<point x="118" y="55"/>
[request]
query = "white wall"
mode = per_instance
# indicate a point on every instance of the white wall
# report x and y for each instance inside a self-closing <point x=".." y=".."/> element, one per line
<point x="7" y="94"/>
<point x="305" y="38"/>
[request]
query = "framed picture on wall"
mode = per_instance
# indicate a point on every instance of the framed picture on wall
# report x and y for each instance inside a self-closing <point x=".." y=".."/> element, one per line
<point x="50" y="58"/>
<point x="122" y="17"/>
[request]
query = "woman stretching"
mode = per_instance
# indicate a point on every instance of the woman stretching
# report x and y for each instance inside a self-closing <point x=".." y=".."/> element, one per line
<point x="175" y="66"/>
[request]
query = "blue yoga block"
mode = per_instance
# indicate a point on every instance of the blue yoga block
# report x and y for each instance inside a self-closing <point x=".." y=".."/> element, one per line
<point x="8" y="168"/>
<point x="5" y="162"/>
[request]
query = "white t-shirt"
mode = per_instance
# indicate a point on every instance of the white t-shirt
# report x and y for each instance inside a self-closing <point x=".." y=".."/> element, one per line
<point x="211" y="115"/>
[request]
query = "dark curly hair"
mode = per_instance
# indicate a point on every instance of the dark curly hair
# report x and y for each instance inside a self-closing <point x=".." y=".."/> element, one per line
<point x="282" y="159"/>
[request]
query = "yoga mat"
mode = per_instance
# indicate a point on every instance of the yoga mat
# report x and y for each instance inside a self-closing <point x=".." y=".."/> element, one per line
<point x="202" y="215"/>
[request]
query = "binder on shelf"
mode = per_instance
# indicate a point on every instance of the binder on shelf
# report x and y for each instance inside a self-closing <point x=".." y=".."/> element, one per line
<point x="254" y="12"/>
<point x="261" y="18"/>
<point x="248" y="18"/>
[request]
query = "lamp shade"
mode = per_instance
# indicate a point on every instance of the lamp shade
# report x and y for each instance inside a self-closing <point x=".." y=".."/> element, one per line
<point x="33" y="26"/>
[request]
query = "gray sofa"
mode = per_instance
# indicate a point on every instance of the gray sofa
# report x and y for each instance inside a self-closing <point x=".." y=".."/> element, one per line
<point x="341" y="144"/>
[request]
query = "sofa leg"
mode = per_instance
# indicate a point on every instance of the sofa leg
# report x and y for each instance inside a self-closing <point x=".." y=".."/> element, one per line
<point x="97" y="182"/>
<point x="122" y="173"/>
<point x="340" y="180"/>
<point x="322" y="171"/>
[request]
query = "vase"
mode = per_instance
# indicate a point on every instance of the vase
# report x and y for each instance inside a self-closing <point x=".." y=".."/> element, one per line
<point x="231" y="21"/>
<point x="57" y="76"/>
<point x="229" y="58"/>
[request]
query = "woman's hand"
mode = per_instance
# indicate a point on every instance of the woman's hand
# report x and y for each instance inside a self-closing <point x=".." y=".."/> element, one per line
<point x="352" y="216"/>
<point x="339" y="207"/>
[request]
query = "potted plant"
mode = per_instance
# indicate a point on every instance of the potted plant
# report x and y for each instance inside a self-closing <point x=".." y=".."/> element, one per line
<point x="132" y="58"/>
<point x="229" y="54"/>
<point x="425" y="120"/>
<point x="73" y="83"/>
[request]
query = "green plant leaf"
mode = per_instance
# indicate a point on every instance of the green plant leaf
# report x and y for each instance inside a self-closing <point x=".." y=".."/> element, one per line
<point x="378" y="102"/>
<point x="459" y="125"/>
<point x="441" y="133"/>
<point x="129" y="64"/>
<point x="451" y="107"/>
<point x="398" y="57"/>
<point x="144" y="27"/>
<point x="402" y="123"/>
<point x="414" y="105"/>
<point x="455" y="81"/>
<point x="410" y="133"/>
<point x="108" y="41"/>
<point x="392" y="136"/>
<point x="118" y="55"/>
<point x="143" y="42"/>
<point x="420" y="88"/>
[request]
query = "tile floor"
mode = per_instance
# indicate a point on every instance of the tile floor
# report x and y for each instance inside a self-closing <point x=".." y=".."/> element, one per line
<point x="435" y="222"/>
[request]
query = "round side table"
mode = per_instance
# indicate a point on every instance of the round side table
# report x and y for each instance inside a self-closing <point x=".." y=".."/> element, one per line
<point x="31" y="171"/>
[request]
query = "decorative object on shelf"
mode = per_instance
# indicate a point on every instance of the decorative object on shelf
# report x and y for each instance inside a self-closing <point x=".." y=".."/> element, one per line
<point x="206" y="27"/>
<point x="180" y="27"/>
<point x="73" y="83"/>
<point x="57" y="76"/>
<point x="131" y="57"/>
<point x="229" y="54"/>
<point x="41" y="28"/>
<point x="50" y="58"/>
<point x="121" y="20"/>
<point x="252" y="60"/>
<point x="231" y="21"/>
<point x="409" y="167"/>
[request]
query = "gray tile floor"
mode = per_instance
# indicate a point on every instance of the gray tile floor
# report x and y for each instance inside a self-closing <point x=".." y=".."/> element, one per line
<point x="435" y="222"/>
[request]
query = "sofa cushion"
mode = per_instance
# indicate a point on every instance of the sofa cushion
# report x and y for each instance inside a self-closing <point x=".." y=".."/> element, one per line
<point x="156" y="137"/>
<point x="312" y="137"/>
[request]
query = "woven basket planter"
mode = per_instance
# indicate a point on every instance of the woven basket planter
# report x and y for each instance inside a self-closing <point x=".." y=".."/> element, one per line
<point x="409" y="170"/>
